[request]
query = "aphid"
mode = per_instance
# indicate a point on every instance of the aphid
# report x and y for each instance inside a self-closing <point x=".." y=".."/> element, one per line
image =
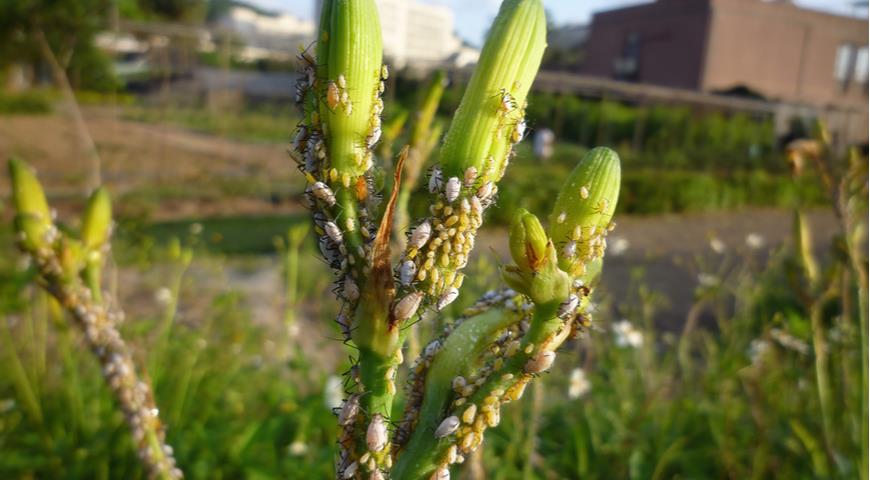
<point x="540" y="363"/>
<point x="458" y="382"/>
<point x="301" y="89"/>
<point x="381" y="87"/>
<point x="568" y="306"/>
<point x="435" y="180"/>
<point x="376" y="475"/>
<point x="349" y="471"/>
<point x="507" y="101"/>
<point x="385" y="72"/>
<point x="300" y="138"/>
<point x="485" y="191"/>
<point x="407" y="306"/>
<point x="407" y="272"/>
<point x="451" y="189"/>
<point x="420" y="235"/>
<point x="373" y="137"/>
<point x="584" y="192"/>
<point x="570" y="249"/>
<point x="432" y="348"/>
<point x="323" y="193"/>
<point x="470" y="176"/>
<point x="342" y="82"/>
<point x="333" y="96"/>
<point x="469" y="414"/>
<point x="447" y="426"/>
<point x="447" y="298"/>
<point x="441" y="473"/>
<point x="351" y="290"/>
<point x="561" y="218"/>
<point x="376" y="434"/>
<point x="333" y="232"/>
<point x="518" y="132"/>
<point x="349" y="410"/>
<point x="492" y="416"/>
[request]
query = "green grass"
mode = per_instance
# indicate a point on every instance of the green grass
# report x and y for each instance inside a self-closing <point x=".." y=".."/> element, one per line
<point x="266" y="125"/>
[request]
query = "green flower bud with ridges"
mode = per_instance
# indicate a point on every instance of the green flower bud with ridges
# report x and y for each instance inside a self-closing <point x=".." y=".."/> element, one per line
<point x="528" y="241"/>
<point x="29" y="201"/>
<point x="581" y="217"/>
<point x="351" y="53"/>
<point x="97" y="220"/>
<point x="493" y="104"/>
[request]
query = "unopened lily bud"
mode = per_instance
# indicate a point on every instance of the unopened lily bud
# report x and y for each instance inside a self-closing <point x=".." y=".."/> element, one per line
<point x="71" y="256"/>
<point x="584" y="209"/>
<point x="29" y="200"/>
<point x="528" y="241"/>
<point x="494" y="102"/>
<point x="97" y="220"/>
<point x="350" y="52"/>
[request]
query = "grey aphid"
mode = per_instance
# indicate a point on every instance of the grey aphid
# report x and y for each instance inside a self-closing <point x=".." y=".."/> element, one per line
<point x="451" y="189"/>
<point x="568" y="306"/>
<point x="447" y="426"/>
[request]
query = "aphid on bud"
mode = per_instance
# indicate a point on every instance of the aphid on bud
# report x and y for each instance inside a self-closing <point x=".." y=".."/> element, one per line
<point x="432" y="348"/>
<point x="407" y="306"/>
<point x="300" y="138"/>
<point x="342" y="82"/>
<point x="333" y="232"/>
<point x="469" y="414"/>
<point x="485" y="191"/>
<point x="323" y="193"/>
<point x="301" y="89"/>
<point x="385" y="72"/>
<point x="435" y="180"/>
<point x="470" y="176"/>
<point x="407" y="272"/>
<point x="507" y="101"/>
<point x="333" y="96"/>
<point x="458" y="382"/>
<point x="420" y="235"/>
<point x="561" y="218"/>
<point x="441" y="473"/>
<point x="447" y="426"/>
<point x="376" y="434"/>
<point x="351" y="290"/>
<point x="349" y="410"/>
<point x="376" y="475"/>
<point x="373" y="137"/>
<point x="447" y="298"/>
<point x="570" y="249"/>
<point x="451" y="189"/>
<point x="568" y="306"/>
<point x="518" y="132"/>
<point x="540" y="363"/>
<point x="584" y="192"/>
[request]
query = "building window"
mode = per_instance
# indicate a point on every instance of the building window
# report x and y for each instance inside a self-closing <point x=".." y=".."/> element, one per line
<point x="861" y="66"/>
<point x="844" y="64"/>
<point x="627" y="66"/>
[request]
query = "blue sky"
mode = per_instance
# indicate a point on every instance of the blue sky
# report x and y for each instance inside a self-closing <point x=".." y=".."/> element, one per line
<point x="474" y="16"/>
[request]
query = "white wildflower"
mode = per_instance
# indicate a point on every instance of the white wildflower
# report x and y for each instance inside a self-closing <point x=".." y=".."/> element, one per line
<point x="195" y="228"/>
<point x="789" y="341"/>
<point x="754" y="241"/>
<point x="579" y="384"/>
<point x="297" y="448"/>
<point x="717" y="245"/>
<point x="618" y="246"/>
<point x="163" y="296"/>
<point x="627" y="335"/>
<point x="757" y="349"/>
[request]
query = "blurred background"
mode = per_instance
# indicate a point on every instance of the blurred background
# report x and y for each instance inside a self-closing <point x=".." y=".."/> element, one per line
<point x="717" y="352"/>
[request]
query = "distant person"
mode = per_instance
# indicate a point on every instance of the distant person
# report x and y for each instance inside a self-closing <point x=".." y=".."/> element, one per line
<point x="543" y="143"/>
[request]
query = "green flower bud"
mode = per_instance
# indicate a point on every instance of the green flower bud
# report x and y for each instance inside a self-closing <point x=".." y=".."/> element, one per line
<point x="97" y="220"/>
<point x="581" y="217"/>
<point x="349" y="82"/>
<point x="490" y="117"/>
<point x="33" y="215"/>
<point x="71" y="255"/>
<point x="804" y="246"/>
<point x="528" y="241"/>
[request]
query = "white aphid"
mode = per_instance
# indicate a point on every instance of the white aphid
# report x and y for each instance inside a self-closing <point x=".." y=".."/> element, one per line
<point x="407" y="272"/>
<point x="442" y="473"/>
<point x="568" y="306"/>
<point x="448" y="298"/>
<point x="420" y="235"/>
<point x="349" y="471"/>
<point x="385" y="72"/>
<point x="561" y="218"/>
<point x="341" y="81"/>
<point x="349" y="410"/>
<point x="323" y="193"/>
<point x="376" y="474"/>
<point x="432" y="348"/>
<point x="373" y="137"/>
<point x="540" y="363"/>
<point x="451" y="189"/>
<point x="485" y="191"/>
<point x="333" y="232"/>
<point x="584" y="192"/>
<point x="435" y="180"/>
<point x="376" y="434"/>
<point x="447" y="426"/>
<point x="407" y="306"/>
<point x="470" y="176"/>
<point x="570" y="249"/>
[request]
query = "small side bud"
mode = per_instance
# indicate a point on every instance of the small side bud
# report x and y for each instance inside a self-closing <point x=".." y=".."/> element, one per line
<point x="97" y="221"/>
<point x="528" y="241"/>
<point x="33" y="217"/>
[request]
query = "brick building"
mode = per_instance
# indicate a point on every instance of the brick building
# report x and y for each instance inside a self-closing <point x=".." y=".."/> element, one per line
<point x="773" y="49"/>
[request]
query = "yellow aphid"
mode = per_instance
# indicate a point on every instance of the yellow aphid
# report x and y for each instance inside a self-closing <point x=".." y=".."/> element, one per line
<point x="333" y="96"/>
<point x="469" y="414"/>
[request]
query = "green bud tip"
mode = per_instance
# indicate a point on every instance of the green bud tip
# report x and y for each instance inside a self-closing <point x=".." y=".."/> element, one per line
<point x="97" y="221"/>
<point x="528" y="241"/>
<point x="33" y="217"/>
<point x="581" y="217"/>
<point x="489" y="119"/>
<point x="350" y="51"/>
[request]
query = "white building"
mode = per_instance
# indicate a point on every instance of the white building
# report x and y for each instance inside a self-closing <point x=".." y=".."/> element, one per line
<point x="267" y="34"/>
<point x="420" y="36"/>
